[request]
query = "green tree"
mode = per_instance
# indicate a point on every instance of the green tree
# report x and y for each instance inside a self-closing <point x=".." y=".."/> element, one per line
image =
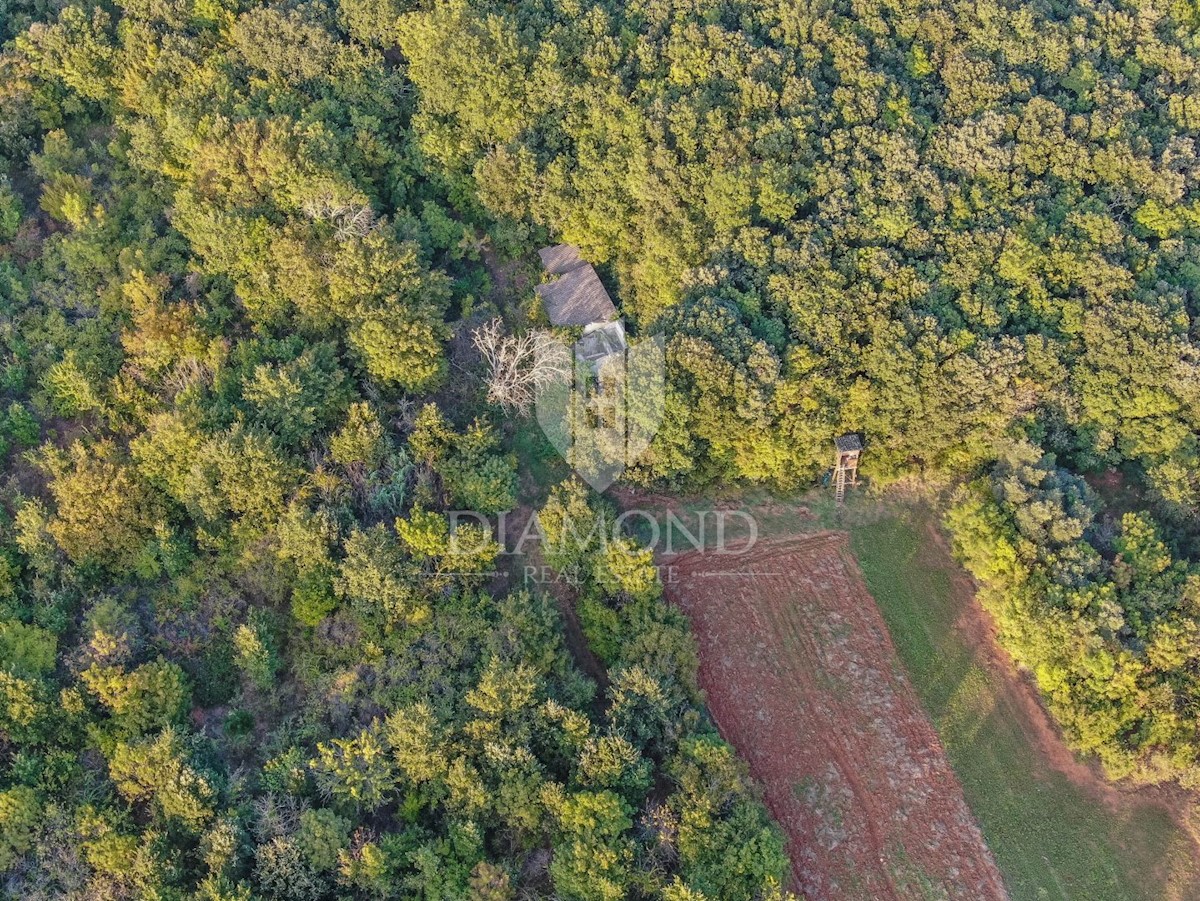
<point x="255" y="655"/>
<point x="20" y="814"/>
<point x="10" y="212"/>
<point x="321" y="837"/>
<point x="156" y="770"/>
<point x="105" y="512"/>
<point x="728" y="848"/>
<point x="593" y="855"/>
<point x="148" y="697"/>
<point x="357" y="771"/>
<point x="373" y="578"/>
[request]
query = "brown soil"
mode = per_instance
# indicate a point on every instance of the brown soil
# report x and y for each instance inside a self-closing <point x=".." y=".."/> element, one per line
<point x="801" y="676"/>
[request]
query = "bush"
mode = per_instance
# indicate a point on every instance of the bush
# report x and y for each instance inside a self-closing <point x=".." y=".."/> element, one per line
<point x="10" y="212"/>
<point x="20" y="813"/>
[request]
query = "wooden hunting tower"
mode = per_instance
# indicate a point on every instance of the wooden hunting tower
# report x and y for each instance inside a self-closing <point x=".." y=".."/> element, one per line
<point x="845" y="467"/>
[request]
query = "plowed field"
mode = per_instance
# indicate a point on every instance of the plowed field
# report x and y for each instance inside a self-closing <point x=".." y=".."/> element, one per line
<point x="803" y="679"/>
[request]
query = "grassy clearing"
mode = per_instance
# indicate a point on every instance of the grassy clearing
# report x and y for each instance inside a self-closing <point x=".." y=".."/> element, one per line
<point x="542" y="467"/>
<point x="1051" y="838"/>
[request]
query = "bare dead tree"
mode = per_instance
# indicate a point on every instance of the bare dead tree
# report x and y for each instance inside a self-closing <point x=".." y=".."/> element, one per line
<point x="350" y="220"/>
<point x="520" y="364"/>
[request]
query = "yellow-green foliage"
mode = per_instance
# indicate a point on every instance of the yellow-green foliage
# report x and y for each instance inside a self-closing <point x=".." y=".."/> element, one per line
<point x="1107" y="640"/>
<point x="19" y="818"/>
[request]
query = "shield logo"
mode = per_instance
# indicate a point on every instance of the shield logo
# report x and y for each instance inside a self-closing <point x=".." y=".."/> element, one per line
<point x="606" y="408"/>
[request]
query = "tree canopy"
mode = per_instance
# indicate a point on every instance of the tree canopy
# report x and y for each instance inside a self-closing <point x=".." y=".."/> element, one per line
<point x="244" y="248"/>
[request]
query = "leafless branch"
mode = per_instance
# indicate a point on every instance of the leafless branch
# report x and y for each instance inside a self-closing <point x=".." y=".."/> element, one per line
<point x="520" y="364"/>
<point x="349" y="220"/>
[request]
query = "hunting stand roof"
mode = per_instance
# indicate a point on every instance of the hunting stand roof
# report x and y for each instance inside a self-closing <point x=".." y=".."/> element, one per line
<point x="847" y="444"/>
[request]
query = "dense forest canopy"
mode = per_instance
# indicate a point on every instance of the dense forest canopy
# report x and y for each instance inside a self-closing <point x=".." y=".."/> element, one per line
<point x="934" y="223"/>
<point x="242" y="248"/>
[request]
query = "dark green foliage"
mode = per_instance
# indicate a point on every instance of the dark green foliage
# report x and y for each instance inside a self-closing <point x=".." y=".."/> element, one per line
<point x="313" y="597"/>
<point x="262" y="664"/>
<point x="727" y="847"/>
<point x="10" y="212"/>
<point x="475" y="475"/>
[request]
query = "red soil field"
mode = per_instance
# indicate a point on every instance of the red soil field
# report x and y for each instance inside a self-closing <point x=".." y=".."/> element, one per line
<point x="802" y="678"/>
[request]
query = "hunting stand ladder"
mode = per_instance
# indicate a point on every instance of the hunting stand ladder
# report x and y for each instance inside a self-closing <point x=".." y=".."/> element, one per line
<point x="845" y="466"/>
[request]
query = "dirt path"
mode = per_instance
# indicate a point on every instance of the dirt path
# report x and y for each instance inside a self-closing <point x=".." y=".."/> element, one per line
<point x="528" y="570"/>
<point x="801" y="676"/>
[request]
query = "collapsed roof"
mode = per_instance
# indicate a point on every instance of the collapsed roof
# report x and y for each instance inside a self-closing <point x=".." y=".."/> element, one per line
<point x="601" y="343"/>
